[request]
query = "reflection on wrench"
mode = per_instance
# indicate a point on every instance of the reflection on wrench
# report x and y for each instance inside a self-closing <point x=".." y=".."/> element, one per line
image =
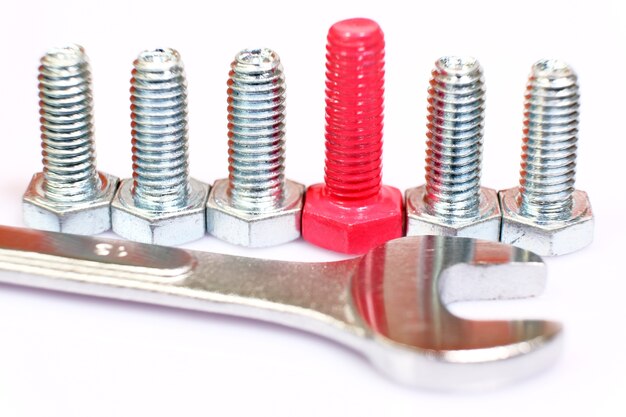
<point x="388" y="304"/>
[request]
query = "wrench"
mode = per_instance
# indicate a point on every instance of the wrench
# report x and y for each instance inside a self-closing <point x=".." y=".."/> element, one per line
<point x="389" y="304"/>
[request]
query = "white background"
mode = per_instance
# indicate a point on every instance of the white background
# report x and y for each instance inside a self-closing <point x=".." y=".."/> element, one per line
<point x="64" y="355"/>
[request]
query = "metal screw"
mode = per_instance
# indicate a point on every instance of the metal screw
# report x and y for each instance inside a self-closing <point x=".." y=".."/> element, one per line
<point x="452" y="203"/>
<point x="70" y="195"/>
<point x="161" y="204"/>
<point x="256" y="206"/>
<point x="353" y="211"/>
<point x="545" y="213"/>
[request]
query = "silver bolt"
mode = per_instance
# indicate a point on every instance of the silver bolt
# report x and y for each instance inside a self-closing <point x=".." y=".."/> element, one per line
<point x="452" y="203"/>
<point x="545" y="213"/>
<point x="161" y="204"/>
<point x="70" y="195"/>
<point x="256" y="206"/>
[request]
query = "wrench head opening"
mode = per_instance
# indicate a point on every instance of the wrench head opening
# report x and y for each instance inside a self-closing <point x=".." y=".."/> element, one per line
<point x="400" y="291"/>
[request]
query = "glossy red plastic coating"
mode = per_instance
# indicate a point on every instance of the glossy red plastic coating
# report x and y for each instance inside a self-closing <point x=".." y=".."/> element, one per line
<point x="352" y="211"/>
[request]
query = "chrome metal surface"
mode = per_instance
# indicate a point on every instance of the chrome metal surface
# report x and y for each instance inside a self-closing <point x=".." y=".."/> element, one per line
<point x="255" y="228"/>
<point x="256" y="206"/>
<point x="546" y="214"/>
<point x="70" y="195"/>
<point x="389" y="304"/>
<point x="160" y="204"/>
<point x="452" y="202"/>
<point x="420" y="221"/>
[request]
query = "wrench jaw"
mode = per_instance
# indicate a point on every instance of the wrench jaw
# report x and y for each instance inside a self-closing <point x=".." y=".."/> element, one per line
<point x="481" y="369"/>
<point x="400" y="291"/>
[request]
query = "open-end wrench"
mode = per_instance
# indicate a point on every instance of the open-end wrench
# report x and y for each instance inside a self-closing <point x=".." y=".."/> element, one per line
<point x="389" y="304"/>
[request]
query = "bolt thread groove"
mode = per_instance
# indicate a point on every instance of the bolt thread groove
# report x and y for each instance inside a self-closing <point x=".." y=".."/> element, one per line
<point x="67" y="132"/>
<point x="159" y="131"/>
<point x="355" y="75"/>
<point x="256" y="130"/>
<point x="454" y="138"/>
<point x="549" y="147"/>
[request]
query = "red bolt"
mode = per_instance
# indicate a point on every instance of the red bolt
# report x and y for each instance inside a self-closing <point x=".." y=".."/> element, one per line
<point x="352" y="211"/>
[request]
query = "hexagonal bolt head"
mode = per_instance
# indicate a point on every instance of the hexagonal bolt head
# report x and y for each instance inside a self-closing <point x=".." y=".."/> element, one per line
<point x="82" y="218"/>
<point x="550" y="238"/>
<point x="160" y="228"/>
<point x="254" y="229"/>
<point x="486" y="226"/>
<point x="352" y="228"/>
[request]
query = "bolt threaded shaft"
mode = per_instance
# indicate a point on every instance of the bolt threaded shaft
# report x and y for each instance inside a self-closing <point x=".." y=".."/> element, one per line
<point x="354" y="110"/>
<point x="66" y="110"/>
<point x="550" y="141"/>
<point x="159" y="131"/>
<point x="256" y="130"/>
<point x="455" y="137"/>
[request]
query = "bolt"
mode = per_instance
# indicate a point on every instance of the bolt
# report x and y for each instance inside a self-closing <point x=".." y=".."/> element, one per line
<point x="70" y="195"/>
<point x="160" y="204"/>
<point x="352" y="211"/>
<point x="452" y="202"/>
<point x="256" y="206"/>
<point x="546" y="214"/>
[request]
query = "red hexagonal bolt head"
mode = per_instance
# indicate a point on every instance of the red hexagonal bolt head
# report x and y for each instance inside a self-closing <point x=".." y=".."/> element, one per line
<point x="352" y="211"/>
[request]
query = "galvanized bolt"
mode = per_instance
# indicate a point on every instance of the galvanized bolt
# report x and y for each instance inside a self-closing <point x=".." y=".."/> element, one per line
<point x="161" y="204"/>
<point x="256" y="206"/>
<point x="546" y="214"/>
<point x="452" y="203"/>
<point x="70" y="195"/>
<point x="352" y="211"/>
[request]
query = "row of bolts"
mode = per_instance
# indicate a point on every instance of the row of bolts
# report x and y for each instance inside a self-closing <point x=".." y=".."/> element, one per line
<point x="256" y="186"/>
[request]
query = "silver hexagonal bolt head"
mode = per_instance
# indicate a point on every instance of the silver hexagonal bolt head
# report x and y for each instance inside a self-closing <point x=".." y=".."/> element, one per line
<point x="452" y="202"/>
<point x="545" y="214"/>
<point x="256" y="206"/>
<point x="255" y="229"/>
<point x="88" y="217"/>
<point x="170" y="227"/>
<point x="421" y="221"/>
<point x="70" y="195"/>
<point x="161" y="204"/>
<point x="549" y="238"/>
